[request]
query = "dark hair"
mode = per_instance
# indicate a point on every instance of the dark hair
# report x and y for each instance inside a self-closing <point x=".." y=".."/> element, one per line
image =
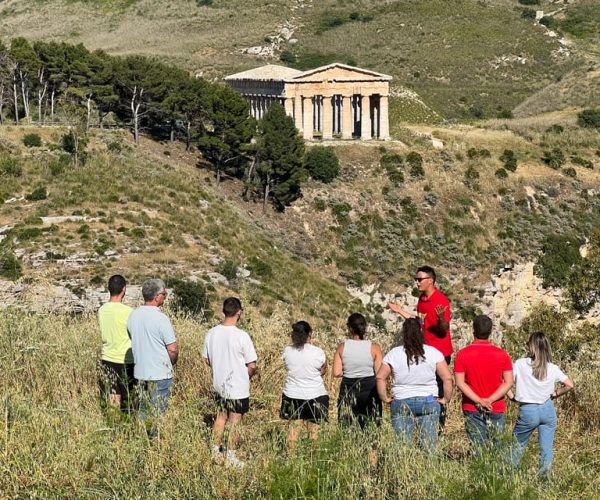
<point x="231" y="306"/>
<point x="428" y="270"/>
<point x="412" y="337"/>
<point x="357" y="324"/>
<point x="482" y="327"/>
<point x="301" y="330"/>
<point x="116" y="284"/>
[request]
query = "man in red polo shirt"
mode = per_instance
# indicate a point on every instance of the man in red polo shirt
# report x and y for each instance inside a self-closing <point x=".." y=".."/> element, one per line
<point x="433" y="310"/>
<point x="484" y="375"/>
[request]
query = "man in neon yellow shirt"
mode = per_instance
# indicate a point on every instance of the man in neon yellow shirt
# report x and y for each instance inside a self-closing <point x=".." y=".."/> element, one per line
<point x="116" y="366"/>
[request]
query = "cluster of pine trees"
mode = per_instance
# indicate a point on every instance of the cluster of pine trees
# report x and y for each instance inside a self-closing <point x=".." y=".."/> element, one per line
<point x="59" y="83"/>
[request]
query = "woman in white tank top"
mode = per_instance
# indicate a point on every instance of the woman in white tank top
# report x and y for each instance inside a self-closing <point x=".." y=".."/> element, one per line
<point x="357" y="360"/>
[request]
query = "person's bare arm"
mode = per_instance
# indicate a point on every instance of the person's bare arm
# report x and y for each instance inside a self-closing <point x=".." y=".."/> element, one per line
<point x="443" y="325"/>
<point x="324" y="368"/>
<point x="252" y="369"/>
<point x="507" y="383"/>
<point x="382" y="374"/>
<point x="338" y="368"/>
<point x="173" y="352"/>
<point x="398" y="309"/>
<point x="567" y="386"/>
<point x="468" y="392"/>
<point x="443" y="372"/>
<point x="377" y="357"/>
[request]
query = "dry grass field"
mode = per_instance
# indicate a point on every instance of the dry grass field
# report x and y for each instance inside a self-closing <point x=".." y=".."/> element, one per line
<point x="56" y="441"/>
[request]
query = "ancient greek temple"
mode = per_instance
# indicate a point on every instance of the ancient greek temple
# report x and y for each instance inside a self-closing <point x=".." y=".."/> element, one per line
<point x="331" y="102"/>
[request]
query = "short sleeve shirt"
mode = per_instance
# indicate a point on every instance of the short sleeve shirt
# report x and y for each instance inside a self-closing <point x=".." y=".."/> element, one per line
<point x="151" y="332"/>
<point x="304" y="380"/>
<point x="416" y="380"/>
<point x="529" y="388"/>
<point x="228" y="350"/>
<point x="116" y="344"/>
<point x="429" y="321"/>
<point x="483" y="365"/>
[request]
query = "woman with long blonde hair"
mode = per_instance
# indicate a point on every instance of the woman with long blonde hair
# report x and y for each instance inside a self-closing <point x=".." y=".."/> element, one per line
<point x="536" y="378"/>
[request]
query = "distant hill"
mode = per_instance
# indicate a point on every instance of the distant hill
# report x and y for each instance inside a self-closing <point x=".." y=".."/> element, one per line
<point x="465" y="58"/>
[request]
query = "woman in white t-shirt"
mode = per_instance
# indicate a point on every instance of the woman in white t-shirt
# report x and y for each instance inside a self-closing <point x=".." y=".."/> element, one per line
<point x="305" y="402"/>
<point x="536" y="378"/>
<point x="413" y="367"/>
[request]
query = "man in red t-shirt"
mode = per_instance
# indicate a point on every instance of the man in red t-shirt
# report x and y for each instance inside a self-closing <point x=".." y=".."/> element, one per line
<point x="484" y="375"/>
<point x="433" y="311"/>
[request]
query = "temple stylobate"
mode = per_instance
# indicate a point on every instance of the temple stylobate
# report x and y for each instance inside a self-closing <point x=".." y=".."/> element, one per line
<point x="333" y="101"/>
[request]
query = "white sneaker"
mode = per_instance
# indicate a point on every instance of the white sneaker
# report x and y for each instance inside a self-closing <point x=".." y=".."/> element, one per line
<point x="234" y="461"/>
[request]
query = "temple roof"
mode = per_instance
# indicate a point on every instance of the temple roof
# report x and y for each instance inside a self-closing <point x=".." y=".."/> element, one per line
<point x="270" y="72"/>
<point x="340" y="72"/>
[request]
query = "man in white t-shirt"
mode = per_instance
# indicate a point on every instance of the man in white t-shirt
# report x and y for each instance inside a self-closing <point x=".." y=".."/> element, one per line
<point x="230" y="354"/>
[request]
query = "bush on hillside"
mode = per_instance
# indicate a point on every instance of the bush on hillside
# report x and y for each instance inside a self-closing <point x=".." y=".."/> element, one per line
<point x="39" y="193"/>
<point x="287" y="57"/>
<point x="559" y="258"/>
<point x="570" y="172"/>
<point x="10" y="167"/>
<point x="191" y="298"/>
<point x="589" y="118"/>
<point x="582" y="162"/>
<point x="471" y="177"/>
<point x="32" y="140"/>
<point x="554" y="159"/>
<point x="555" y="129"/>
<point x="322" y="163"/>
<point x="10" y="265"/>
<point x="415" y="160"/>
<point x="528" y="14"/>
<point x="501" y="173"/>
<point x="509" y="159"/>
<point x="529" y="2"/>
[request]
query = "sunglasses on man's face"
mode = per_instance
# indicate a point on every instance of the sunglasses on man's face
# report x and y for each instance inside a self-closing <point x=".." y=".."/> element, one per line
<point x="418" y="280"/>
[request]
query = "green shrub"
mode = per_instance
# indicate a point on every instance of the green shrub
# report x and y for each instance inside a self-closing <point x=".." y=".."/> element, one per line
<point x="509" y="159"/>
<point x="331" y="20"/>
<point x="528" y="14"/>
<point x="10" y="167"/>
<point x="58" y="166"/>
<point x="320" y="205"/>
<point x="529" y="2"/>
<point x="391" y="160"/>
<point x="554" y="159"/>
<point x="191" y="298"/>
<point x="560" y="256"/>
<point x="582" y="162"/>
<point x="228" y="268"/>
<point x="471" y="176"/>
<point x="29" y="233"/>
<point x="501" y="173"/>
<point x="570" y="172"/>
<point x="39" y="193"/>
<point x="138" y="232"/>
<point x="476" y="112"/>
<point x="287" y="57"/>
<point x="115" y="147"/>
<point x="341" y="212"/>
<point x="32" y="140"/>
<point x="204" y="3"/>
<point x="589" y="118"/>
<point x="395" y="176"/>
<point x="415" y="160"/>
<point x="10" y="265"/>
<point x="322" y="163"/>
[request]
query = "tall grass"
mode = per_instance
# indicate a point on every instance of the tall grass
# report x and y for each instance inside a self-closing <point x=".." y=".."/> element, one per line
<point x="56" y="441"/>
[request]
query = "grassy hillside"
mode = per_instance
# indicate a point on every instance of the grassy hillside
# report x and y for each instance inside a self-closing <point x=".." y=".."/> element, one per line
<point x="465" y="58"/>
<point x="159" y="214"/>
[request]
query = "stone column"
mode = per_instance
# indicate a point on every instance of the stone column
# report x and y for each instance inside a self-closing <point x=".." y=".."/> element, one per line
<point x="365" y="118"/>
<point x="347" y="125"/>
<point x="384" y="122"/>
<point x="298" y="112"/>
<point x="308" y="117"/>
<point x="288" y="104"/>
<point x="327" y="118"/>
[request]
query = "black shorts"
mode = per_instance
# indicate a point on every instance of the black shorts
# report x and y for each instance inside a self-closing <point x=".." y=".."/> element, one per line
<point x="224" y="405"/>
<point x="117" y="379"/>
<point x="359" y="402"/>
<point x="312" y="410"/>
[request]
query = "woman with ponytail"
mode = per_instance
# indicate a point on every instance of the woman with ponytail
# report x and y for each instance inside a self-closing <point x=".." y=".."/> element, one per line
<point x="536" y="378"/>
<point x="357" y="360"/>
<point x="413" y="367"/>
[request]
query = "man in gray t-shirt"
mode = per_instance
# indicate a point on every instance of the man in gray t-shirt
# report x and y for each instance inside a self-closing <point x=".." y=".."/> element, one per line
<point x="154" y="349"/>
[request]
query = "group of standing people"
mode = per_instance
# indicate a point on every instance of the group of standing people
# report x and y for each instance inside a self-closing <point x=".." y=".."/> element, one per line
<point x="421" y="381"/>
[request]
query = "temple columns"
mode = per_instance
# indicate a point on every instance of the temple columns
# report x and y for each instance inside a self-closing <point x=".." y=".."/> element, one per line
<point x="327" y="118"/>
<point x="365" y="118"/>
<point x="347" y="117"/>
<point x="308" y="118"/>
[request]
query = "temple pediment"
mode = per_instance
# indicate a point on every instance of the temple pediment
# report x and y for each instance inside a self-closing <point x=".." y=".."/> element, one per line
<point x="340" y="72"/>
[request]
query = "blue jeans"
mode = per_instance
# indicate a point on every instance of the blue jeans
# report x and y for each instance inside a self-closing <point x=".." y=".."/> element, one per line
<point x="543" y="418"/>
<point x="423" y="411"/>
<point x="483" y="428"/>
<point x="154" y="397"/>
